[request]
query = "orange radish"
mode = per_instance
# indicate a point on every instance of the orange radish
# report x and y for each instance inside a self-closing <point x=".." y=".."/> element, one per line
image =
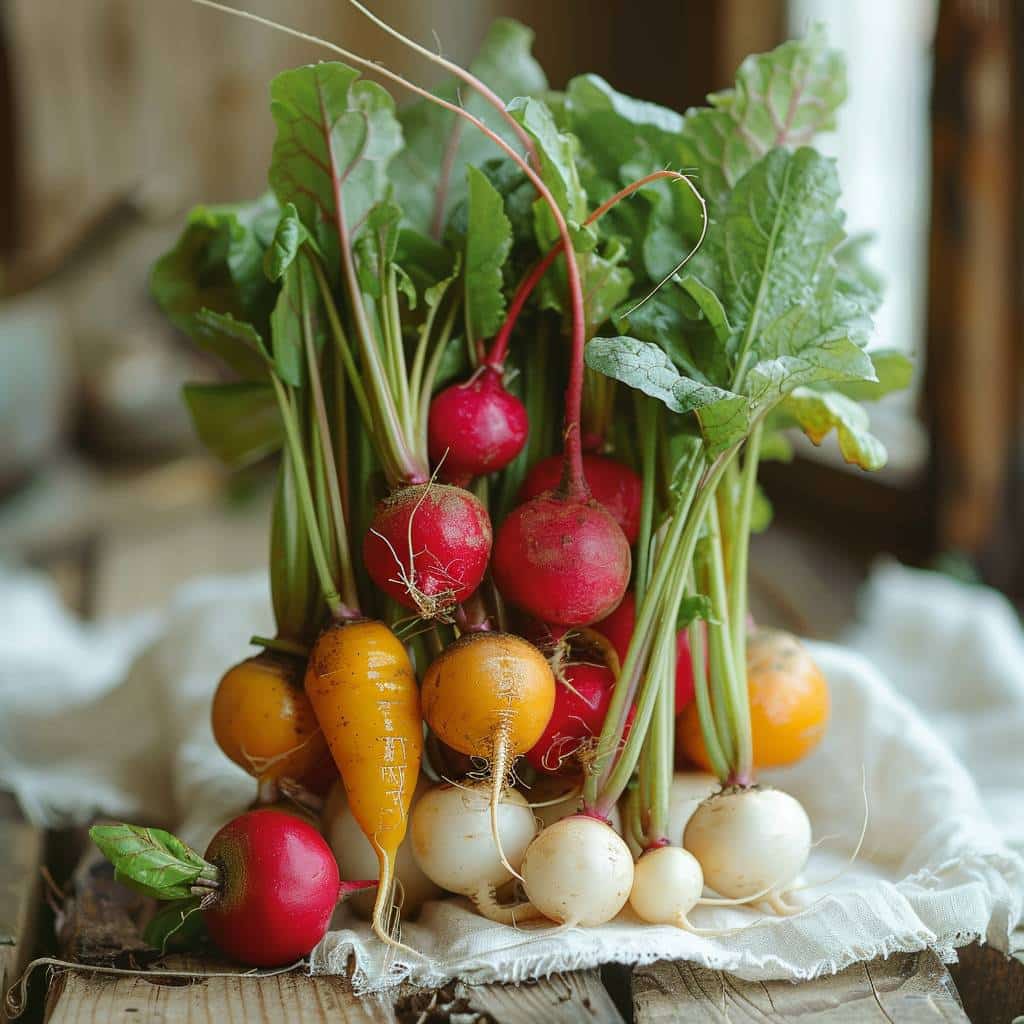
<point x="361" y="684"/>
<point x="263" y="721"/>
<point x="789" y="704"/>
<point x="490" y="695"/>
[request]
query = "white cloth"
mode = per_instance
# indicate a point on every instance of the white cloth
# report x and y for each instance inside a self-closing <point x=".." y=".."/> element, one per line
<point x="115" y="719"/>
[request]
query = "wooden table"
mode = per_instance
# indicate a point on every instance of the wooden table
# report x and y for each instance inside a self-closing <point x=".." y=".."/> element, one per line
<point x="131" y="551"/>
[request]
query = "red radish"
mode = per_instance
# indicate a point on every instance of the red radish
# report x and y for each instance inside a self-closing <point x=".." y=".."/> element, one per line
<point x="476" y="427"/>
<point x="280" y="888"/>
<point x="581" y="702"/>
<point x="269" y="881"/>
<point x="563" y="559"/>
<point x="618" y="628"/>
<point x="428" y="547"/>
<point x="613" y="484"/>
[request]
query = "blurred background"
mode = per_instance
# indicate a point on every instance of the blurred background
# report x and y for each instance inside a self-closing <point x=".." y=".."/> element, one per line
<point x="116" y="116"/>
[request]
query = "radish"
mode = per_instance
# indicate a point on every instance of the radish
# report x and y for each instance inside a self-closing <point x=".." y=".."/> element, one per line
<point x="613" y="485"/>
<point x="357" y="858"/>
<point x="476" y="427"/>
<point x="667" y="884"/>
<point x="269" y="881"/>
<point x="490" y="695"/>
<point x="562" y="558"/>
<point x="578" y="872"/>
<point x="428" y="547"/>
<point x="749" y="841"/>
<point x="618" y="628"/>
<point x="582" y="697"/>
<point x="454" y="847"/>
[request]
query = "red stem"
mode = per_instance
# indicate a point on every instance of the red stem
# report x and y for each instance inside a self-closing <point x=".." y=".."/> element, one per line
<point x="499" y="347"/>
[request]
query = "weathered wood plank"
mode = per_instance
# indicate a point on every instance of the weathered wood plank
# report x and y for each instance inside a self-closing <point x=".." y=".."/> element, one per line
<point x="576" y="998"/>
<point x="909" y="987"/>
<point x="21" y="853"/>
<point x="81" y="998"/>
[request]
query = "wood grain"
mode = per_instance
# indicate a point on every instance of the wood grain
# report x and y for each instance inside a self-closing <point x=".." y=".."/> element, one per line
<point x="21" y="852"/>
<point x="910" y="988"/>
<point x="577" y="998"/>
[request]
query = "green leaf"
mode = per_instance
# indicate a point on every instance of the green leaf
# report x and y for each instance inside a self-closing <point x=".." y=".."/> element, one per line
<point x="217" y="264"/>
<point x="894" y="371"/>
<point x="289" y="236"/>
<point x="151" y="858"/>
<point x="723" y="416"/>
<point x="377" y="246"/>
<point x="334" y="131"/>
<point x="639" y="364"/>
<point x="295" y="303"/>
<point x="488" y="241"/>
<point x="693" y="607"/>
<point x="710" y="306"/>
<point x="613" y="126"/>
<point x="240" y="423"/>
<point x="178" y="925"/>
<point x="781" y="98"/>
<point x="817" y="413"/>
<point x="439" y="145"/>
<point x="222" y="335"/>
<point x="558" y="153"/>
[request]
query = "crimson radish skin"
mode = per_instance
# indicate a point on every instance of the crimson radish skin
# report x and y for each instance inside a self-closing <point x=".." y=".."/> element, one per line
<point x="613" y="484"/>
<point x="280" y="886"/>
<point x="475" y="428"/>
<point x="578" y="872"/>
<point x="563" y="560"/>
<point x="582" y="697"/>
<point x="749" y="841"/>
<point x="428" y="547"/>
<point x="618" y="628"/>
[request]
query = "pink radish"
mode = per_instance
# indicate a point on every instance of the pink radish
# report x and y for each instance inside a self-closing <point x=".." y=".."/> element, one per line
<point x="613" y="485"/>
<point x="618" y="628"/>
<point x="269" y="881"/>
<point x="428" y="547"/>
<point x="476" y="427"/>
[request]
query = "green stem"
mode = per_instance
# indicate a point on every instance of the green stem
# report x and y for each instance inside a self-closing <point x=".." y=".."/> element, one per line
<point x="647" y="420"/>
<point x="401" y="389"/>
<point x="278" y="643"/>
<point x="323" y="432"/>
<point x="341" y="341"/>
<point x="625" y="686"/>
<point x="430" y="374"/>
<point x="734" y="690"/>
<point x="661" y="743"/>
<point x="698" y="655"/>
<point x="292" y="437"/>
<point x="604" y="786"/>
<point x="741" y="547"/>
<point x="403" y="465"/>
